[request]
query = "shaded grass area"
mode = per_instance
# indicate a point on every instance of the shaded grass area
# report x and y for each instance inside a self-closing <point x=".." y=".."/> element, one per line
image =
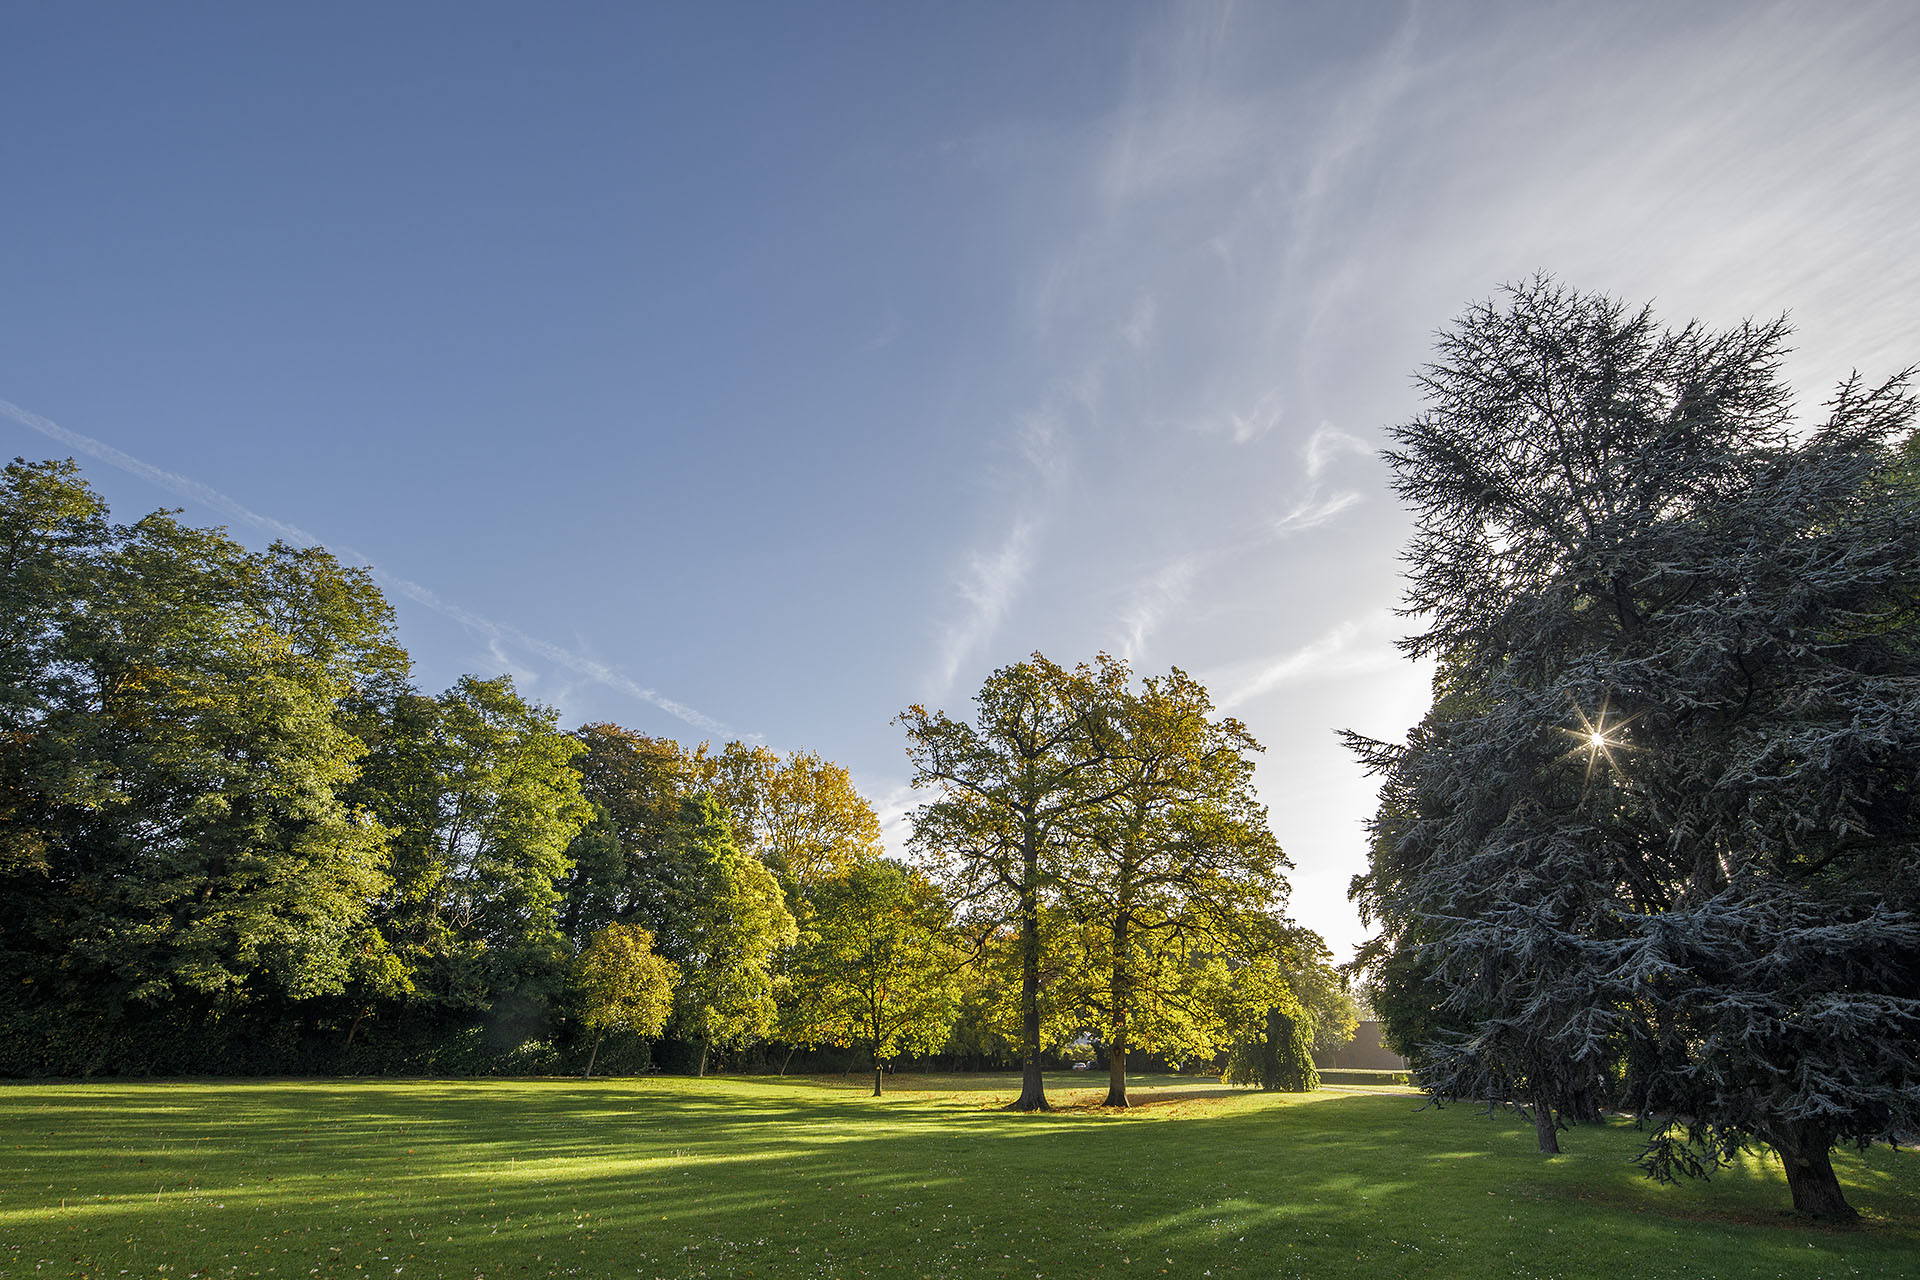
<point x="809" y="1178"/>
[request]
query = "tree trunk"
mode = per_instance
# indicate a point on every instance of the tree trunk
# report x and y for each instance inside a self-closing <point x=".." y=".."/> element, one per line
<point x="592" y="1057"/>
<point x="788" y="1059"/>
<point x="1806" y="1151"/>
<point x="354" y="1030"/>
<point x="1033" y="1090"/>
<point x="1120" y="996"/>
<point x="1584" y="1106"/>
<point x="876" y="1075"/>
<point x="1543" y="1126"/>
<point x="1117" y="1071"/>
<point x="701" y="1070"/>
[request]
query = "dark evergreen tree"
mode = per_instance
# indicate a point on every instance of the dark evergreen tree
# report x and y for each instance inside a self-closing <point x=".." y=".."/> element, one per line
<point x="1666" y="818"/>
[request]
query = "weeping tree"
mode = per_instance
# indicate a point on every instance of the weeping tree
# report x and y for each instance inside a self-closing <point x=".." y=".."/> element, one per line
<point x="1282" y="999"/>
<point x="1661" y="821"/>
<point x="1280" y="1058"/>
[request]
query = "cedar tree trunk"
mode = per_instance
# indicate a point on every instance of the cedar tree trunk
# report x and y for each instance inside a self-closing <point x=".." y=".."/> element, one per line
<point x="1806" y="1150"/>
<point x="1543" y="1126"/>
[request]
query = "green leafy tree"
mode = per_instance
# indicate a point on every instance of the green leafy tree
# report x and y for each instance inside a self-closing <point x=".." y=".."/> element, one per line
<point x="875" y="965"/>
<point x="1280" y="1057"/>
<point x="1284" y="1003"/>
<point x="1325" y="993"/>
<point x="724" y="921"/>
<point x="1172" y="868"/>
<point x="53" y="537"/>
<point x="634" y="784"/>
<point x="1005" y="787"/>
<point x="174" y="762"/>
<point x="622" y="984"/>
<point x="477" y="789"/>
<point x="739" y="777"/>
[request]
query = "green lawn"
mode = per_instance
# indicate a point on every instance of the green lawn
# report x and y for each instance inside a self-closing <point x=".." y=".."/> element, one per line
<point x="762" y="1177"/>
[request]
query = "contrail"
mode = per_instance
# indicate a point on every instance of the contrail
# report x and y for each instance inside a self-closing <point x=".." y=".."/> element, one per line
<point x="193" y="490"/>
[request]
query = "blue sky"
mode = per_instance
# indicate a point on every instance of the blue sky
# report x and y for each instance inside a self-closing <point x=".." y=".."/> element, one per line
<point x="758" y="370"/>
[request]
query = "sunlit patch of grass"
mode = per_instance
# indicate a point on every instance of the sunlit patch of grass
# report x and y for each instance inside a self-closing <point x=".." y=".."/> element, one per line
<point x="770" y="1177"/>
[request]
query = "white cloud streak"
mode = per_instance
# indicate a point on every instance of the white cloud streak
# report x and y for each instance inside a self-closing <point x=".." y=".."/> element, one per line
<point x="1358" y="646"/>
<point x="987" y="587"/>
<point x="495" y="633"/>
<point x="1160" y="594"/>
<point x="989" y="581"/>
<point x="1328" y="442"/>
<point x="1155" y="599"/>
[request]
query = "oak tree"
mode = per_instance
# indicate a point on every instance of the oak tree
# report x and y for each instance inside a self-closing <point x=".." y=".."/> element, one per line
<point x="1004" y="788"/>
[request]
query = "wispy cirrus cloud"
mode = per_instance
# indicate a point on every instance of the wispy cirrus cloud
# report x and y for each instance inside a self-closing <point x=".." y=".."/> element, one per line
<point x="988" y="580"/>
<point x="986" y="586"/>
<point x="1153" y="600"/>
<point x="496" y="634"/>
<point x="1314" y="512"/>
<point x="1357" y="646"/>
<point x="1159" y="594"/>
<point x="1329" y="442"/>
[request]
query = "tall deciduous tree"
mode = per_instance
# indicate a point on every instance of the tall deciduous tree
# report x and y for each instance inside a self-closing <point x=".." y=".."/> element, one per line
<point x="477" y="790"/>
<point x="53" y="536"/>
<point x="1672" y="821"/>
<point x="724" y="920"/>
<point x="815" y="822"/>
<point x="1004" y="787"/>
<point x="1172" y="868"/>
<point x="801" y="814"/>
<point x="634" y="784"/>
<point x="175" y="836"/>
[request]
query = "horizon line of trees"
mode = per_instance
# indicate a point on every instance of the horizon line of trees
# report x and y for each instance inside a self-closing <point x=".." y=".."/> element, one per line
<point x="236" y="838"/>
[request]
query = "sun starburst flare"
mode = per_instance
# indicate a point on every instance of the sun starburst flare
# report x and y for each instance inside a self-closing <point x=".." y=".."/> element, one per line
<point x="1599" y="736"/>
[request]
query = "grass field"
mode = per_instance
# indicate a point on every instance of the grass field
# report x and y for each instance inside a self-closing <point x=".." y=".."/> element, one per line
<point x="784" y="1178"/>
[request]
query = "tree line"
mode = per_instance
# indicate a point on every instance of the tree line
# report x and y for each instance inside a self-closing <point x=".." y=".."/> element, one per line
<point x="1654" y="848"/>
<point x="236" y="837"/>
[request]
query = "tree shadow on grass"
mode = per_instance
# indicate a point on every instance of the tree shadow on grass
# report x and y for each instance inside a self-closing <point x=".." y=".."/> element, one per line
<point x="670" y="1177"/>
